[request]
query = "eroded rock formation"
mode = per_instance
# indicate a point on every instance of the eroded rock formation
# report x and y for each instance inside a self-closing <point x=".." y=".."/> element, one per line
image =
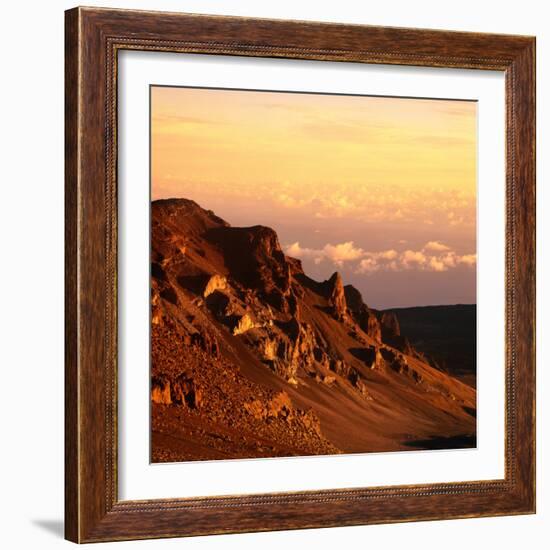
<point x="243" y="342"/>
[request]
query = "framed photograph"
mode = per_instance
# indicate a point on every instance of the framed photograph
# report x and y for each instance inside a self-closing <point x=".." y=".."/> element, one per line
<point x="300" y="275"/>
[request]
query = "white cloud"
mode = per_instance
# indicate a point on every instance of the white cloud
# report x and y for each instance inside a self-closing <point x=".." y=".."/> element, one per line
<point x="368" y="265"/>
<point x="449" y="259"/>
<point x="336" y="253"/>
<point x="420" y="260"/>
<point x="433" y="256"/>
<point x="343" y="252"/>
<point x="389" y="254"/>
<point x="435" y="264"/>
<point x="296" y="251"/>
<point x="436" y="246"/>
<point x="468" y="259"/>
<point x="412" y="258"/>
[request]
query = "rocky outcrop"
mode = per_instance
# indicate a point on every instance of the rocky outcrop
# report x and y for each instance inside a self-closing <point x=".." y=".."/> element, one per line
<point x="183" y="213"/>
<point x="391" y="332"/>
<point x="214" y="283"/>
<point x="362" y="314"/>
<point x="362" y="387"/>
<point x="205" y="341"/>
<point x="244" y="324"/>
<point x="354" y="299"/>
<point x="280" y="406"/>
<point x="289" y="348"/>
<point x="182" y="390"/>
<point x="160" y="390"/>
<point x="336" y="296"/>
<point x="401" y="365"/>
<point x="390" y="324"/>
<point x="310" y="421"/>
<point x="254" y="256"/>
<point x="186" y="392"/>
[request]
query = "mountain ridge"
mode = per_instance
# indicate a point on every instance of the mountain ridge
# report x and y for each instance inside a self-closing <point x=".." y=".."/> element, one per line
<point x="247" y="348"/>
<point x="428" y="329"/>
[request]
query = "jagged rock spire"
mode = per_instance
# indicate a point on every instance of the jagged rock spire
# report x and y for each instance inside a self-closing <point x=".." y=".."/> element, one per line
<point x="336" y="295"/>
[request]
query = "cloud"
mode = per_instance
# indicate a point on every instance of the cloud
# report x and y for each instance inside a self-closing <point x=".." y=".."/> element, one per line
<point x="411" y="258"/>
<point x="436" y="246"/>
<point x="389" y="254"/>
<point x="433" y="256"/>
<point x="368" y="265"/>
<point x="343" y="252"/>
<point x="363" y="200"/>
<point x="468" y="259"/>
<point x="338" y="253"/>
<point x="435" y="264"/>
<point x="295" y="250"/>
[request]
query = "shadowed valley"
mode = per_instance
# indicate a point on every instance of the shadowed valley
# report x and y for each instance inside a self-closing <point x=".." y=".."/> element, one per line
<point x="446" y="334"/>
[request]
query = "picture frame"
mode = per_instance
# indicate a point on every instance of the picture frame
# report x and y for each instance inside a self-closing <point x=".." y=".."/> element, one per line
<point x="94" y="37"/>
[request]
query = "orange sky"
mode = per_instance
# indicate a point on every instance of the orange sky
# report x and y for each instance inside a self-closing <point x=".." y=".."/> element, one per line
<point x="377" y="188"/>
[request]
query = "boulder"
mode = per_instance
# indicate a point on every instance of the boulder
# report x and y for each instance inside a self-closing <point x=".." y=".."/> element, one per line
<point x="185" y="392"/>
<point x="160" y="390"/>
<point x="244" y="324"/>
<point x="216" y="282"/>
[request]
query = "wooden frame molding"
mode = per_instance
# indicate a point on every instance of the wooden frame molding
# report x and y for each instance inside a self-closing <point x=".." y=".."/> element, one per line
<point x="94" y="36"/>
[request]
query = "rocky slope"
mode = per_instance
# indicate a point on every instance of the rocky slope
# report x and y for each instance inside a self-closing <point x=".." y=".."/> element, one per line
<point x="252" y="358"/>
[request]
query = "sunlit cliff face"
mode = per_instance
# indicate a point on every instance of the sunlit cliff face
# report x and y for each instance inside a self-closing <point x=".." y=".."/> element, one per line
<point x="381" y="189"/>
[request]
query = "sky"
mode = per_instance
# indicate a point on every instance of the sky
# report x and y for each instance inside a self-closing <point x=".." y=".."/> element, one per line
<point x="381" y="189"/>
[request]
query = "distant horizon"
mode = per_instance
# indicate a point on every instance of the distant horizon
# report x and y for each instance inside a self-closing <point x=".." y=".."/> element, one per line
<point x="426" y="305"/>
<point x="381" y="189"/>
